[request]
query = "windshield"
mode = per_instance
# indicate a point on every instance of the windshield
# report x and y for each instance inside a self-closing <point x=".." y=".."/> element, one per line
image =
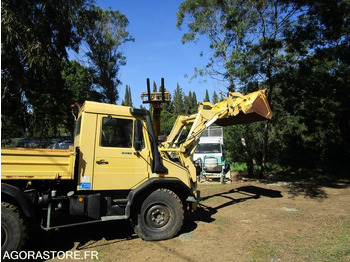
<point x="208" y="148"/>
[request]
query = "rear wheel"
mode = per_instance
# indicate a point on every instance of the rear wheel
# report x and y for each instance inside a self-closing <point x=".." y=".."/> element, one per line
<point x="13" y="228"/>
<point x="161" y="216"/>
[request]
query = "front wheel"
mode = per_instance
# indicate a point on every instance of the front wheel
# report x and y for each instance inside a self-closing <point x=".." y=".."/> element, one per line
<point x="13" y="228"/>
<point x="161" y="216"/>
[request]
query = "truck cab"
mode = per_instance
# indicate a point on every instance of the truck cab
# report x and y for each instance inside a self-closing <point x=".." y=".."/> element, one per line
<point x="111" y="156"/>
<point x="118" y="150"/>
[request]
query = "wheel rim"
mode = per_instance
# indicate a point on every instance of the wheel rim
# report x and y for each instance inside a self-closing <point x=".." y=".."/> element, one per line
<point x="4" y="235"/>
<point x="158" y="216"/>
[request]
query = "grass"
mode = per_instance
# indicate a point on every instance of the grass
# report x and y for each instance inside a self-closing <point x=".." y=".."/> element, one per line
<point x="331" y="243"/>
<point x="285" y="173"/>
<point x="238" y="166"/>
<point x="263" y="251"/>
<point x="241" y="166"/>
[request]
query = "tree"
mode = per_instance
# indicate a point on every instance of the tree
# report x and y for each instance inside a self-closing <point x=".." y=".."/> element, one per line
<point x="210" y="18"/>
<point x="315" y="94"/>
<point x="104" y="32"/>
<point x="169" y="106"/>
<point x="167" y="121"/>
<point x="127" y="101"/>
<point x="188" y="103"/>
<point x="79" y="82"/>
<point x="125" y="96"/>
<point x="215" y="98"/>
<point x="194" y="103"/>
<point x="273" y="19"/>
<point x="155" y="87"/>
<point x="38" y="81"/>
<point x="130" y="98"/>
<point x="78" y="85"/>
<point x="35" y="39"/>
<point x="246" y="38"/>
<point x="206" y="98"/>
<point x="178" y="100"/>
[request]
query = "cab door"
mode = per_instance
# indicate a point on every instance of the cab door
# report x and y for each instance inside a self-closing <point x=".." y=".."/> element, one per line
<point x="117" y="165"/>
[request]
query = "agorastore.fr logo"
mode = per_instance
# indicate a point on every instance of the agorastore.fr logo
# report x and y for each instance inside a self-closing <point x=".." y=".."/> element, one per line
<point x="45" y="255"/>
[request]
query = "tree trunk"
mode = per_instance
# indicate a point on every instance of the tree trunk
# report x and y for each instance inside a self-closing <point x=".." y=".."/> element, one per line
<point x="249" y="160"/>
<point x="266" y="129"/>
<point x="264" y="153"/>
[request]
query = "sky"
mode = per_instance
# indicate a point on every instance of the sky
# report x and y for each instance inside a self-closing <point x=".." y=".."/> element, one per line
<point x="158" y="52"/>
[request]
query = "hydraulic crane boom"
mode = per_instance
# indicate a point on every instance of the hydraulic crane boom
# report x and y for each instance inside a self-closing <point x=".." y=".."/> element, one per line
<point x="235" y="109"/>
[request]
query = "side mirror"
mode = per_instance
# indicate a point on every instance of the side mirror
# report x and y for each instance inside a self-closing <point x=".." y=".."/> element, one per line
<point x="138" y="135"/>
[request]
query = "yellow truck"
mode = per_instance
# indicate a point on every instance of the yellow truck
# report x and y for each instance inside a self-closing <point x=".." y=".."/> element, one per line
<point x="115" y="170"/>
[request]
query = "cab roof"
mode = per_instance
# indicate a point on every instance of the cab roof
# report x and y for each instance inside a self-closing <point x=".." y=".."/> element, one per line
<point x="103" y="108"/>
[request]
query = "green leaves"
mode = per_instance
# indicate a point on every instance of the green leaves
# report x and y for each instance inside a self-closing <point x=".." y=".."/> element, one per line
<point x="299" y="51"/>
<point x="104" y="33"/>
<point x="38" y="81"/>
<point x="127" y="98"/>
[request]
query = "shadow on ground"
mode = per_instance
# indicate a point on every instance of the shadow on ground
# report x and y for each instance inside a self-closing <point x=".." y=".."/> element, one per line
<point x="245" y="193"/>
<point x="92" y="236"/>
<point x="81" y="238"/>
<point x="308" y="183"/>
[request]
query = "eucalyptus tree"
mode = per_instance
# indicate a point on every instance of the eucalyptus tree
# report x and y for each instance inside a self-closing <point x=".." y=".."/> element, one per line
<point x="38" y="80"/>
<point x="35" y="37"/>
<point x="246" y="38"/>
<point x="104" y="32"/>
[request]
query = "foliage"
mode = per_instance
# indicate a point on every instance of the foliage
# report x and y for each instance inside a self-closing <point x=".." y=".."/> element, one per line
<point x="210" y="18"/>
<point x="38" y="80"/>
<point x="78" y="85"/>
<point x="313" y="91"/>
<point x="178" y="101"/>
<point x="313" y="128"/>
<point x="127" y="98"/>
<point x="104" y="31"/>
<point x="167" y="120"/>
<point x="299" y="51"/>
<point x="215" y="98"/>
<point x="35" y="38"/>
<point x="180" y="105"/>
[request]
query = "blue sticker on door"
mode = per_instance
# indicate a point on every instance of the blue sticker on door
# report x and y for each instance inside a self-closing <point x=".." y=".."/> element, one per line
<point x="85" y="186"/>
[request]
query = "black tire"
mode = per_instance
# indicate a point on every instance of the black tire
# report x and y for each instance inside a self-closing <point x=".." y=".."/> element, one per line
<point x="161" y="216"/>
<point x="13" y="228"/>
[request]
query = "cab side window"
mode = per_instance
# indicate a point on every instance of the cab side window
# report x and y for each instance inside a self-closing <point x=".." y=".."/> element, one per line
<point x="116" y="132"/>
<point x="139" y="141"/>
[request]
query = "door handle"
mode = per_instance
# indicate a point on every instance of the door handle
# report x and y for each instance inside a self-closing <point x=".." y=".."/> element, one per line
<point x="102" y="162"/>
<point x="137" y="153"/>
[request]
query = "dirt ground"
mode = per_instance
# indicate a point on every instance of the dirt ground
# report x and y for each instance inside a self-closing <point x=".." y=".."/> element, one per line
<point x="242" y="221"/>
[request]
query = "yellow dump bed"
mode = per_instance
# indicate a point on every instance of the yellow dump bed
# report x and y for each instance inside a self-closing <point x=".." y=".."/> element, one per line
<point x="37" y="163"/>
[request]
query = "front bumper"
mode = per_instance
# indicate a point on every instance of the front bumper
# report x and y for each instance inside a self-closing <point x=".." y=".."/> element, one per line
<point x="195" y="198"/>
<point x="192" y="201"/>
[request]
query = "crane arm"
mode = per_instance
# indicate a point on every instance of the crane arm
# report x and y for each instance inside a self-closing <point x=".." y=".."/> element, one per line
<point x="235" y="109"/>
